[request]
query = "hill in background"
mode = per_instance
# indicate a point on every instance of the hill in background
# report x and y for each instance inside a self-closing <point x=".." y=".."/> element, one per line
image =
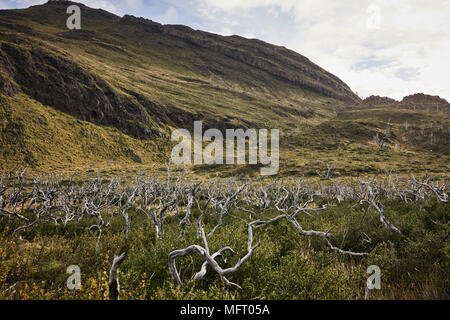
<point x="107" y="97"/>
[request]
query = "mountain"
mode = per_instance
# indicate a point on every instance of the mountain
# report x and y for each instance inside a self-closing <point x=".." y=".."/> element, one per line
<point x="417" y="100"/>
<point x="377" y="100"/>
<point x="108" y="95"/>
<point x="426" y="101"/>
<point x="150" y="74"/>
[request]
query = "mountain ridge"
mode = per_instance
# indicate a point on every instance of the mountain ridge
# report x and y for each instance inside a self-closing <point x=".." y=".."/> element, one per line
<point x="113" y="91"/>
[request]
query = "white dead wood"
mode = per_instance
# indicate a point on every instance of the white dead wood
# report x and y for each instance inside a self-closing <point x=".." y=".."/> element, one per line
<point x="52" y="199"/>
<point x="204" y="253"/>
<point x="327" y="175"/>
<point x="187" y="218"/>
<point x="224" y="206"/>
<point x="113" y="284"/>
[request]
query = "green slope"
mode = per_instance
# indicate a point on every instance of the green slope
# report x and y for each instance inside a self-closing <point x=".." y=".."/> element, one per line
<point x="39" y="137"/>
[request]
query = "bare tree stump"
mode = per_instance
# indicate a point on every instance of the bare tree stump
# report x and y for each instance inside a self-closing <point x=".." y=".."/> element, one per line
<point x="114" y="286"/>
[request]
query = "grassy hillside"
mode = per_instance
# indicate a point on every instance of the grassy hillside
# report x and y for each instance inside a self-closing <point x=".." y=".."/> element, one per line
<point x="229" y="80"/>
<point x="41" y="138"/>
<point x="141" y="79"/>
<point x="417" y="141"/>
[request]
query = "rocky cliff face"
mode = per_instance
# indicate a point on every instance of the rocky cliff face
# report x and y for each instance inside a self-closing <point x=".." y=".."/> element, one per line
<point x="173" y="74"/>
<point x="377" y="100"/>
<point x="145" y="24"/>
<point x="425" y="102"/>
<point x="426" y="99"/>
<point x="275" y="60"/>
<point x="418" y="101"/>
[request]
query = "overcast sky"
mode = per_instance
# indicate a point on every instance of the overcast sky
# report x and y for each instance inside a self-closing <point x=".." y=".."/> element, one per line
<point x="383" y="47"/>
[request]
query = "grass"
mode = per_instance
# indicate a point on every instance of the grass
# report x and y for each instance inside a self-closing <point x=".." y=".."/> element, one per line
<point x="286" y="266"/>
<point x="44" y="139"/>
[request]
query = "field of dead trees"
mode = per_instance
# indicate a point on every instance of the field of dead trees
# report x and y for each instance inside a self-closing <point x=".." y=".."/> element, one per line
<point x="169" y="238"/>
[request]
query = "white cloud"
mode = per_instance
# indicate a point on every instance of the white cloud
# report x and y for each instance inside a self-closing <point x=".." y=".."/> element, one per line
<point x="411" y="36"/>
<point x="103" y="4"/>
<point x="135" y="4"/>
<point x="26" y="3"/>
<point x="170" y="16"/>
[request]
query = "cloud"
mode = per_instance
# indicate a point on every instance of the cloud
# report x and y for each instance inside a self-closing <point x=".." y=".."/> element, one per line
<point x="135" y="4"/>
<point x="24" y="3"/>
<point x="103" y="4"/>
<point x="170" y="16"/>
<point x="408" y="74"/>
<point x="376" y="46"/>
<point x="371" y="63"/>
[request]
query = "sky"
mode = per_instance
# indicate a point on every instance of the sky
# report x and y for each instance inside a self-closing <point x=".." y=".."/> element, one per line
<point x="381" y="47"/>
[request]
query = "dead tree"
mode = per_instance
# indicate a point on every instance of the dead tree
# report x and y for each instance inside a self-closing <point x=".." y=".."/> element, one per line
<point x="437" y="189"/>
<point x="371" y="194"/>
<point x="155" y="200"/>
<point x="187" y="218"/>
<point x="209" y="196"/>
<point x="311" y="233"/>
<point x="113" y="284"/>
<point x="224" y="205"/>
<point x="97" y="202"/>
<point x="12" y="198"/>
<point x="326" y="175"/>
<point x="210" y="259"/>
<point x="129" y="196"/>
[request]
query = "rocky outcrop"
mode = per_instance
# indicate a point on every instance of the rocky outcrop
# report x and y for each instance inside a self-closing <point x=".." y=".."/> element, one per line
<point x="377" y="100"/>
<point x="7" y="86"/>
<point x="425" y="102"/>
<point x="144" y="24"/>
<point x="421" y="98"/>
